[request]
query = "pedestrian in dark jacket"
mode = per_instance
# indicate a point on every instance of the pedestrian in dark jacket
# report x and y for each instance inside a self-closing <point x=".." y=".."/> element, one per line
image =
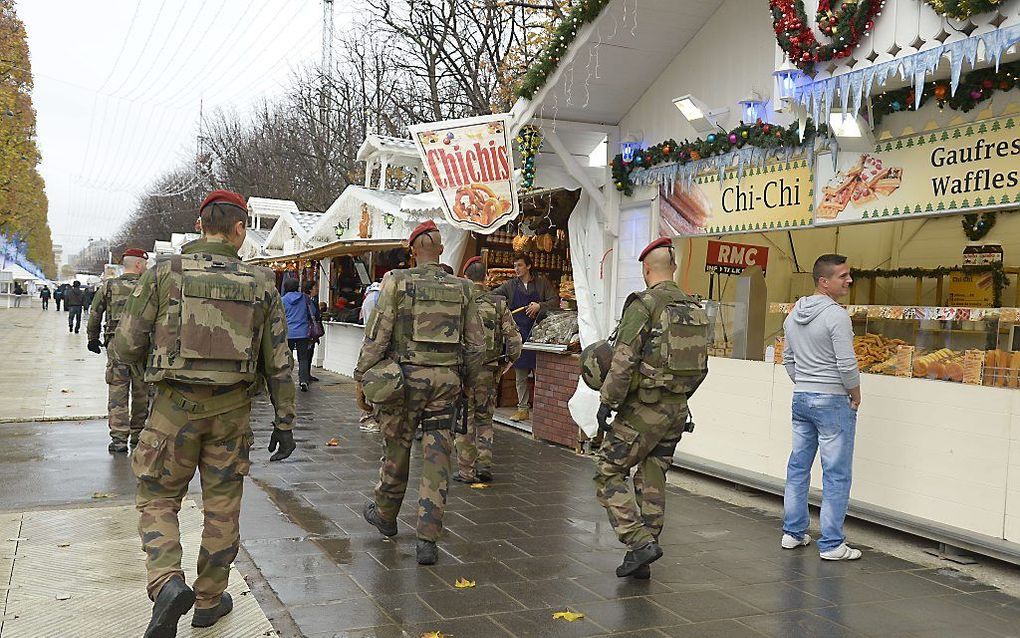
<point x="312" y="291"/>
<point x="74" y="300"/>
<point x="299" y="321"/>
<point x="44" y="294"/>
<point x="90" y="292"/>
<point x="58" y="295"/>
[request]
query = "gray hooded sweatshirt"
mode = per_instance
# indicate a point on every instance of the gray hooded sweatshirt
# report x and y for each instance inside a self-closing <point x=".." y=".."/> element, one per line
<point x="819" y="351"/>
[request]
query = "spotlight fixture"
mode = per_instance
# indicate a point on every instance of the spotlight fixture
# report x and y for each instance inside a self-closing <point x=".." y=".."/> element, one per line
<point x="700" y="117"/>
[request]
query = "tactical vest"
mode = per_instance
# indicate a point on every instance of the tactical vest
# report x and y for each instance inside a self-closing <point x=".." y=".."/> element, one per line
<point x="675" y="355"/>
<point x="212" y="327"/>
<point x="491" y="308"/>
<point x="116" y="291"/>
<point x="429" y="326"/>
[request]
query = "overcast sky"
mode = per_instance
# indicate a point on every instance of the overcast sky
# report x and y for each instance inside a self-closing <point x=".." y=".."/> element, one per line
<point x="118" y="85"/>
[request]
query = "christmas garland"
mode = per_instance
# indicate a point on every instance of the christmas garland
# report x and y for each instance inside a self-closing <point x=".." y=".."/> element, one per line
<point x="529" y="143"/>
<point x="845" y="26"/>
<point x="962" y="9"/>
<point x="977" y="225"/>
<point x="581" y="14"/>
<point x="999" y="278"/>
<point x="760" y="135"/>
<point x="975" y="87"/>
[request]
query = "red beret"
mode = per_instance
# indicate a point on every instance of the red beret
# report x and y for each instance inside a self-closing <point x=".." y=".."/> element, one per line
<point x="426" y="226"/>
<point x="661" y="242"/>
<point x="136" y="252"/>
<point x="473" y="260"/>
<point x="224" y="197"/>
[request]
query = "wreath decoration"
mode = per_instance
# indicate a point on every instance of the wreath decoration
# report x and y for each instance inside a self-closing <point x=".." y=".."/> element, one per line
<point x="977" y="225"/>
<point x="962" y="9"/>
<point x="844" y="24"/>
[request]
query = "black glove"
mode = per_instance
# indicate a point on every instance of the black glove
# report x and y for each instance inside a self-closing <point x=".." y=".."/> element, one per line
<point x="603" y="418"/>
<point x="95" y="345"/>
<point x="284" y="440"/>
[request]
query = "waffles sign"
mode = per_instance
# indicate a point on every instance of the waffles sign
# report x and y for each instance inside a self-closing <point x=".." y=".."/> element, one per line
<point x="971" y="167"/>
<point x="470" y="163"/>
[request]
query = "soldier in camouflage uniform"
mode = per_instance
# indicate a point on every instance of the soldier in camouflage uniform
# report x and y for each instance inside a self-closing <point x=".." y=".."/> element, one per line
<point x="659" y="359"/>
<point x="209" y="330"/>
<point x="426" y="321"/>
<point x="128" y="395"/>
<point x="502" y="346"/>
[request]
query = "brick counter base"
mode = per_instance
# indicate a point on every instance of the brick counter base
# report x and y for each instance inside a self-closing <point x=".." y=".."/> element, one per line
<point x="556" y="377"/>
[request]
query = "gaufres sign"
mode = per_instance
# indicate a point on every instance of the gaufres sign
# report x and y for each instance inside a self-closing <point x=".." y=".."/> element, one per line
<point x="728" y="258"/>
<point x="470" y="163"/>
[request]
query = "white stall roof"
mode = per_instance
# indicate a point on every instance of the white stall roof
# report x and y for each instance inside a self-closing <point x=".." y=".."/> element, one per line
<point x="386" y="145"/>
<point x="630" y="47"/>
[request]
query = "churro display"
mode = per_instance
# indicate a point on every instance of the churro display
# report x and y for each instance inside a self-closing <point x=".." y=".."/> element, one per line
<point x="973" y="346"/>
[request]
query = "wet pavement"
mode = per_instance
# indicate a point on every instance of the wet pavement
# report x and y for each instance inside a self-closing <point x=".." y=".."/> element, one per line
<point x="536" y="542"/>
<point x="47" y="372"/>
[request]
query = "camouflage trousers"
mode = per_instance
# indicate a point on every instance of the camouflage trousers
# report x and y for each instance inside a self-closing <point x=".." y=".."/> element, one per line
<point x="429" y="389"/>
<point x="171" y="447"/>
<point x="644" y="436"/>
<point x="474" y="449"/>
<point x="128" y="401"/>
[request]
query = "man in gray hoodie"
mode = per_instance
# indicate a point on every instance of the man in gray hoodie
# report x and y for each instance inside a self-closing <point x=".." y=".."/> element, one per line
<point x="819" y="357"/>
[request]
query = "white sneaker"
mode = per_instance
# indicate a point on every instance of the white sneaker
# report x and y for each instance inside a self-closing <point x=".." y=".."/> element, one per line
<point x="790" y="542"/>
<point x="843" y="552"/>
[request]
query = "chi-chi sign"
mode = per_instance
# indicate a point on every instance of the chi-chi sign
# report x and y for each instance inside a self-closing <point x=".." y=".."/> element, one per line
<point x="728" y="258"/>
<point x="471" y="165"/>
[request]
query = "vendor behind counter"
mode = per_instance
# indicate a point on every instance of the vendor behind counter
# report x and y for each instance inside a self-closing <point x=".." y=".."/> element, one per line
<point x="529" y="296"/>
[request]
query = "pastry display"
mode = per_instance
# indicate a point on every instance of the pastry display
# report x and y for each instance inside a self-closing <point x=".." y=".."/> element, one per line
<point x="872" y="349"/>
<point x="567" y="289"/>
<point x="479" y="203"/>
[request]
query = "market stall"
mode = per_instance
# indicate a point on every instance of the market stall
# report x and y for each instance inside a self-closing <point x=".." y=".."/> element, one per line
<point x="913" y="168"/>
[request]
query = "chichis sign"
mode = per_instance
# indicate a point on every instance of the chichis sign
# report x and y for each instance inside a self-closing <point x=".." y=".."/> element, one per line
<point x="470" y="163"/>
<point x="776" y="196"/>
<point x="971" y="167"/>
<point x="728" y="258"/>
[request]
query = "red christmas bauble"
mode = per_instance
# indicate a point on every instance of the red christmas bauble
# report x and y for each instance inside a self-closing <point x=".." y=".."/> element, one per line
<point x="987" y="84"/>
<point x="941" y="91"/>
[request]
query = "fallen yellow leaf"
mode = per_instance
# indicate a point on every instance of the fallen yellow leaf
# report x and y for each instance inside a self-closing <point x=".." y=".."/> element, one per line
<point x="569" y="616"/>
<point x="464" y="583"/>
<point x="434" y="634"/>
<point x="479" y="486"/>
<point x="98" y="495"/>
<point x="332" y="443"/>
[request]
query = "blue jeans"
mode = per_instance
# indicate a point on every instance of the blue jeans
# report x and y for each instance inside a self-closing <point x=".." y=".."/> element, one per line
<point x="826" y="421"/>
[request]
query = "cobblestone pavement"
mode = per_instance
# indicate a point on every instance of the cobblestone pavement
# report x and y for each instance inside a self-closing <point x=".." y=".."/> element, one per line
<point x="536" y="542"/>
<point x="47" y="372"/>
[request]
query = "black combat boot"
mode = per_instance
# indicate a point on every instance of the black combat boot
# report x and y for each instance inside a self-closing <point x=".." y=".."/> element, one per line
<point x="173" y="601"/>
<point x="208" y="617"/>
<point x="485" y="476"/>
<point x="460" y="478"/>
<point x="371" y="514"/>
<point x="117" y="447"/>
<point x="638" y="558"/>
<point x="427" y="552"/>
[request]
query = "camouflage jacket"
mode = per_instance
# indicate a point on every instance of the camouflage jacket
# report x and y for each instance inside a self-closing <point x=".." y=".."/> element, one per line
<point x="661" y="358"/>
<point x="111" y="298"/>
<point x="205" y="318"/>
<point x="501" y="331"/>
<point x="425" y="317"/>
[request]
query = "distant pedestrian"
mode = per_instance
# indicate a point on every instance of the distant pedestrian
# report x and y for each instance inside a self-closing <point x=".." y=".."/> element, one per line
<point x="819" y="357"/>
<point x="44" y="294"/>
<point x="316" y="330"/>
<point x="18" y="292"/>
<point x="74" y="300"/>
<point x="90" y="293"/>
<point x="299" y="323"/>
<point x="58" y="295"/>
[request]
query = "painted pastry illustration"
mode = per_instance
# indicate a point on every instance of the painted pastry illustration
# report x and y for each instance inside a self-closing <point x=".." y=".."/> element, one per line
<point x="683" y="211"/>
<point x="862" y="184"/>
<point x="480" y="204"/>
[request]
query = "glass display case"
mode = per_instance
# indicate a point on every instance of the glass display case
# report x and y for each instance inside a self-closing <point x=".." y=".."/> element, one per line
<point x="978" y="346"/>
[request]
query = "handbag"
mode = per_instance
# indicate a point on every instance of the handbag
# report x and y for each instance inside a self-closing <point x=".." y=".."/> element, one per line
<point x="315" y="329"/>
